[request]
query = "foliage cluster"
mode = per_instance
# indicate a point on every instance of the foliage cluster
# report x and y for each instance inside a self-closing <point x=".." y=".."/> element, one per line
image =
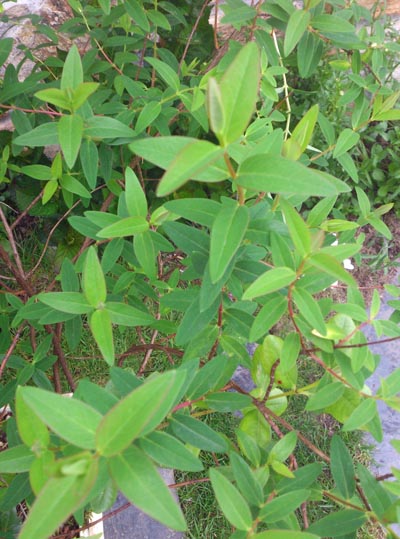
<point x="172" y="205"/>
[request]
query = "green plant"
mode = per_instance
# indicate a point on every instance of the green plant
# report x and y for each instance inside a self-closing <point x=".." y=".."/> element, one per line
<point x="200" y="275"/>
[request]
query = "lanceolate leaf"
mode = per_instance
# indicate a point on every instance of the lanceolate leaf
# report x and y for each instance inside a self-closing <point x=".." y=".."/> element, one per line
<point x="232" y="503"/>
<point x="170" y="452"/>
<point x="239" y="88"/>
<point x="338" y="524"/>
<point x="89" y="157"/>
<point x="100" y="325"/>
<point x="197" y="433"/>
<point x="134" y="195"/>
<point x="125" y="227"/>
<point x="59" y="498"/>
<point x="70" y="130"/>
<point x="146" y="253"/>
<point x="139" y="480"/>
<point x="309" y="309"/>
<point x="66" y="302"/>
<point x="126" y="315"/>
<point x="188" y="164"/>
<point x="284" y="534"/>
<point x="16" y="459"/>
<point x="297" y="25"/>
<point x="42" y="135"/>
<point x="347" y="139"/>
<point x="274" y="174"/>
<point x="362" y="415"/>
<point x="280" y="506"/>
<point x="298" y="230"/>
<point x="72" y="74"/>
<point x="139" y="413"/>
<point x="227" y="233"/>
<point x="342" y="468"/>
<point x="93" y="281"/>
<point x="70" y="419"/>
<point x="270" y="281"/>
<point x="331" y="266"/>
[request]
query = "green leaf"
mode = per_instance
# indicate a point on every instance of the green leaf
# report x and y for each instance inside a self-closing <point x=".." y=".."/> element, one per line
<point x="275" y="174"/>
<point x="31" y="429"/>
<point x="215" y="107"/>
<point x="70" y="419"/>
<point x="309" y="309"/>
<point x="170" y="452"/>
<point x="82" y="93"/>
<point x="93" y="281"/>
<point x="227" y="401"/>
<point x="101" y="328"/>
<point x="59" y="498"/>
<point x="43" y="135"/>
<point x="283" y="448"/>
<point x="269" y="315"/>
<point x="228" y="230"/>
<point x="39" y="172"/>
<point x="104" y="127"/>
<point x="139" y="480"/>
<point x="72" y="185"/>
<point x="66" y="302"/>
<point x="284" y="534"/>
<point x="124" y="227"/>
<point x="89" y="159"/>
<point x="339" y="523"/>
<point x="72" y="75"/>
<point x="56" y="97"/>
<point x="279" y="507"/>
<point x="162" y="151"/>
<point x="342" y="468"/>
<point x="146" y="253"/>
<point x="126" y="315"/>
<point x="304" y="130"/>
<point x="199" y="210"/>
<point x="347" y="139"/>
<point x="135" y="198"/>
<point x="246" y="480"/>
<point x="70" y="129"/>
<point x="188" y="164"/>
<point x="239" y="89"/>
<point x="197" y="433"/>
<point x="296" y="26"/>
<point x="326" y="396"/>
<point x="377" y="496"/>
<point x="165" y="71"/>
<point x="6" y="45"/>
<point x="139" y="413"/>
<point x="298" y="230"/>
<point x="138" y="14"/>
<point x="17" y="459"/>
<point x="105" y="6"/>
<point x="309" y="53"/>
<point x="332" y="24"/>
<point x="363" y="414"/>
<point x="270" y="281"/>
<point x="232" y="503"/>
<point x="49" y="190"/>
<point x="331" y="266"/>
<point x="148" y="114"/>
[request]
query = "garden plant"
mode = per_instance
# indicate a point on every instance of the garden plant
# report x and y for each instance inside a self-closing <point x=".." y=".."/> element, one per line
<point x="188" y="194"/>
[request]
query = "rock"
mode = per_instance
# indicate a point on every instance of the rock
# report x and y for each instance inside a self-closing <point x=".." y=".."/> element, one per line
<point x="16" y="22"/>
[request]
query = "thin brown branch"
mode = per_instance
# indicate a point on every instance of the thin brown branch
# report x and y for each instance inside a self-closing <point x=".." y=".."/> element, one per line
<point x="11" y="348"/>
<point x="13" y="245"/>
<point x="26" y="210"/>
<point x="193" y="31"/>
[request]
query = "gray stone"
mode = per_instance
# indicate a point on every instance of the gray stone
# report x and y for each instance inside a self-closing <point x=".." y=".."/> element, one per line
<point x="131" y="523"/>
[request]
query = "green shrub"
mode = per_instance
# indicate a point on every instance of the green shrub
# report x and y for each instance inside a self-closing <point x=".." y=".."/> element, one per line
<point x="200" y="263"/>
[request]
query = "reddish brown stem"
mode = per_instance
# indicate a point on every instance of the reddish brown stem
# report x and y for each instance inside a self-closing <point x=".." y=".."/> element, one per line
<point x="11" y="348"/>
